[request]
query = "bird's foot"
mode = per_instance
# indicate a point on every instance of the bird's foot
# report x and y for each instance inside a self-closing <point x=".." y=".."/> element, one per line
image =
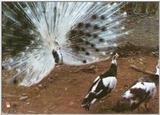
<point x="146" y="108"/>
<point x="86" y="107"/>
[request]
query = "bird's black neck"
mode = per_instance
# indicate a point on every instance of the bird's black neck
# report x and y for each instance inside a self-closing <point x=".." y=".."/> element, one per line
<point x="113" y="69"/>
<point x="154" y="78"/>
<point x="111" y="72"/>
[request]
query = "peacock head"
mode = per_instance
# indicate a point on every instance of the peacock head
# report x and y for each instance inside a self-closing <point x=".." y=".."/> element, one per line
<point x="57" y="55"/>
<point x="115" y="56"/>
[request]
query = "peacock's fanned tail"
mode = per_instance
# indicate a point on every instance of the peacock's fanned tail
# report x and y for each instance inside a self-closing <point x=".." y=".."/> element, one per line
<point x="85" y="32"/>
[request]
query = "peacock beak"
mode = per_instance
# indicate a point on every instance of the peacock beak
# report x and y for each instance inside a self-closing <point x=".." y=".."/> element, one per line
<point x="57" y="56"/>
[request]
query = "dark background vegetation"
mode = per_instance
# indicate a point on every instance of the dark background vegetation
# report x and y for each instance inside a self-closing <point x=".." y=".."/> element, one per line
<point x="146" y="8"/>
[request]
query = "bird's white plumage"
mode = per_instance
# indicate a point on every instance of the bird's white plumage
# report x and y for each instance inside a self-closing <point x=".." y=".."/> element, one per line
<point x="146" y="86"/>
<point x="135" y="101"/>
<point x="99" y="92"/>
<point x="111" y="81"/>
<point x="97" y="78"/>
<point x="158" y="70"/>
<point x="93" y="101"/>
<point x="35" y="65"/>
<point x="127" y="94"/>
<point x="95" y="86"/>
<point x="114" y="61"/>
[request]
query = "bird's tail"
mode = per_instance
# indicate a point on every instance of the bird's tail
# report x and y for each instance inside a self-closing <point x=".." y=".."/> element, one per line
<point x="88" y="100"/>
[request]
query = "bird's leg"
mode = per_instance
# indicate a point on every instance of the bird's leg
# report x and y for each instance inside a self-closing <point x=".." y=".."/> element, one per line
<point x="102" y="99"/>
<point x="141" y="106"/>
<point x="87" y="107"/>
<point x="146" y="105"/>
<point x="138" y="109"/>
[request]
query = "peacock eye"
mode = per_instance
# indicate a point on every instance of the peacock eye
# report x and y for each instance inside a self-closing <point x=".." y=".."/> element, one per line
<point x="87" y="53"/>
<point x="87" y="42"/>
<point x="15" y="81"/>
<point x="103" y="28"/>
<point x="84" y="61"/>
<point x="94" y="16"/>
<point x="101" y="40"/>
<point x="92" y="45"/>
<point x="80" y="25"/>
<point x="97" y="50"/>
<point x="96" y="27"/>
<point x="95" y="35"/>
<point x="88" y="25"/>
<point x="102" y="17"/>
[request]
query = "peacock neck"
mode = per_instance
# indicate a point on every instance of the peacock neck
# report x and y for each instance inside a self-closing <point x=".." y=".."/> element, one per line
<point x="57" y="56"/>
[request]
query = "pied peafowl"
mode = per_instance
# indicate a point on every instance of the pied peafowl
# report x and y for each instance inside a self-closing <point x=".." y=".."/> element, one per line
<point x="139" y="93"/>
<point x="36" y="36"/>
<point x="102" y="85"/>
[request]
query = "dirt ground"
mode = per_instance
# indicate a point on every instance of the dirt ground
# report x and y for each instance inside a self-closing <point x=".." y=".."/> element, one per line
<point x="63" y="90"/>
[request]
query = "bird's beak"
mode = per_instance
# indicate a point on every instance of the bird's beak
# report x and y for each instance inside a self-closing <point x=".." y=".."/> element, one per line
<point x="116" y="55"/>
<point x="158" y="65"/>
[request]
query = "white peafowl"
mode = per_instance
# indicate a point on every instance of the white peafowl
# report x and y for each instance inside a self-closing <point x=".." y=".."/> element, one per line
<point x="39" y="35"/>
<point x="102" y="85"/>
<point x="139" y="93"/>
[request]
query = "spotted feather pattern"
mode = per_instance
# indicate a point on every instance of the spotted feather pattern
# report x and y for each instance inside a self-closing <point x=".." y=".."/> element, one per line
<point x="81" y="33"/>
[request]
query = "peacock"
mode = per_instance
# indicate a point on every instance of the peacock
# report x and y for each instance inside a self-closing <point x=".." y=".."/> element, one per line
<point x="37" y="36"/>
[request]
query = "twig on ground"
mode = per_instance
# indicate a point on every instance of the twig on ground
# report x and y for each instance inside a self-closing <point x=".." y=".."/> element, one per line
<point x="8" y="95"/>
<point x="141" y="70"/>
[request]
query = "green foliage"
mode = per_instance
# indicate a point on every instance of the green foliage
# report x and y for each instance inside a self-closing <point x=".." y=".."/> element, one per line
<point x="142" y="7"/>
